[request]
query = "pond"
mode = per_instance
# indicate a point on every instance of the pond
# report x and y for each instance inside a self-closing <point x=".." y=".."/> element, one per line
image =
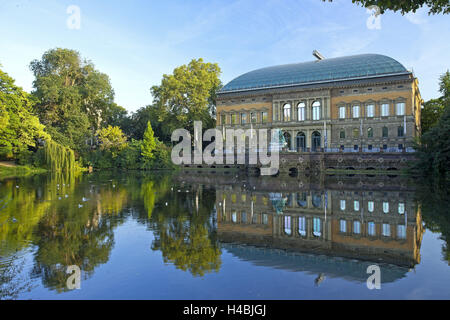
<point x="199" y="235"/>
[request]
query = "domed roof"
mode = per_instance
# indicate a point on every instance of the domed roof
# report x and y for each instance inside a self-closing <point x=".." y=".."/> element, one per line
<point x="326" y="70"/>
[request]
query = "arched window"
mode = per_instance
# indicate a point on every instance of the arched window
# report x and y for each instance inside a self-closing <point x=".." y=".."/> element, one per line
<point x="316" y="200"/>
<point x="301" y="199"/>
<point x="342" y="226"/>
<point x="370" y="206"/>
<point x="287" y="225"/>
<point x="400" y="131"/>
<point x="287" y="112"/>
<point x="302" y="226"/>
<point x="317" y="227"/>
<point x="315" y="141"/>
<point x="342" y="205"/>
<point x="355" y="133"/>
<point x="386" y="207"/>
<point x="401" y="208"/>
<point x="301" y="141"/>
<point x="316" y="110"/>
<point x="342" y="134"/>
<point x="287" y="138"/>
<point x="385" y="109"/>
<point x="369" y="132"/>
<point x="385" y="132"/>
<point x="301" y="107"/>
<point x="356" y="205"/>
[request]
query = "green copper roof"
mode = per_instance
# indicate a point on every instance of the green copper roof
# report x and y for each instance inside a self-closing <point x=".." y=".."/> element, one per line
<point x="333" y="69"/>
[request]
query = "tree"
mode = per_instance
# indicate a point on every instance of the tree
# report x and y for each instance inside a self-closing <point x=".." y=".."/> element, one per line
<point x="112" y="139"/>
<point x="434" y="147"/>
<point x="187" y="95"/>
<point x="149" y="143"/>
<point x="405" y="6"/>
<point x="20" y="129"/>
<point x="73" y="97"/>
<point x="430" y="114"/>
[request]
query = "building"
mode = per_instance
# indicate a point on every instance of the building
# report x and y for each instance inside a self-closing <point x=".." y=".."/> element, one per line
<point x="362" y="103"/>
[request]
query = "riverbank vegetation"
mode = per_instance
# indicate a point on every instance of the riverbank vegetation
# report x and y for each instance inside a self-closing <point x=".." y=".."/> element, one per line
<point x="70" y="120"/>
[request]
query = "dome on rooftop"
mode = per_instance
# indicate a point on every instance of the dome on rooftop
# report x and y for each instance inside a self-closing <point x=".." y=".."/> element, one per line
<point x="326" y="70"/>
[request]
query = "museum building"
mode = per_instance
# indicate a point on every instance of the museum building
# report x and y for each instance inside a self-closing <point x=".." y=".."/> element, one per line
<point x="359" y="103"/>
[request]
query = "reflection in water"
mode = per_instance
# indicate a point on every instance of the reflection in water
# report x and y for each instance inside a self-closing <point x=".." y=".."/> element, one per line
<point x="318" y="226"/>
<point x="327" y="226"/>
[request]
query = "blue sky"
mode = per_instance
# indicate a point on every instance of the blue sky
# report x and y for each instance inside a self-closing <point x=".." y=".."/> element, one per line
<point x="136" y="42"/>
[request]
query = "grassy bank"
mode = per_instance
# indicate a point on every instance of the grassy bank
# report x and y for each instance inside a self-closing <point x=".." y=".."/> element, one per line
<point x="8" y="170"/>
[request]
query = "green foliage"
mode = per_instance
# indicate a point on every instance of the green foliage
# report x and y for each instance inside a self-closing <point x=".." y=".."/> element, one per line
<point x="431" y="113"/>
<point x="149" y="143"/>
<point x="112" y="140"/>
<point x="405" y="6"/>
<point x="74" y="99"/>
<point x="19" y="127"/>
<point x="434" y="148"/>
<point x="130" y="157"/>
<point x="59" y="158"/>
<point x="187" y="95"/>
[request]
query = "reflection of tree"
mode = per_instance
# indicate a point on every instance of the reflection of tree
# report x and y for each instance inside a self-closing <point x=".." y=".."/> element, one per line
<point x="81" y="235"/>
<point x="184" y="232"/>
<point x="435" y="203"/>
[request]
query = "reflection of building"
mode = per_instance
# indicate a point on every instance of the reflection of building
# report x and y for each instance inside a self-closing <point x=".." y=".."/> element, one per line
<point x="372" y="226"/>
<point x="364" y="103"/>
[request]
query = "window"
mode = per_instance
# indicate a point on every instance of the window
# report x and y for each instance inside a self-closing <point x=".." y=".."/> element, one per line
<point x="317" y="227"/>
<point x="316" y="110"/>
<point x="370" y="110"/>
<point x="356" y="227"/>
<point x="244" y="217"/>
<point x="386" y="207"/>
<point x="243" y="118"/>
<point x="342" y="134"/>
<point x="400" y="131"/>
<point x="355" y="147"/>
<point x="370" y="206"/>
<point x="371" y="229"/>
<point x="400" y="109"/>
<point x="253" y="117"/>
<point x="385" y="109"/>
<point x="369" y="147"/>
<point x="342" y="205"/>
<point x="355" y="111"/>
<point x="386" y="230"/>
<point x="356" y="205"/>
<point x="234" y="216"/>
<point x="342" y="225"/>
<point x="223" y="118"/>
<point x="384" y="146"/>
<point x="369" y="132"/>
<point x="302" y="226"/>
<point x="401" y="231"/>
<point x="287" y="112"/>
<point x="401" y="208"/>
<point x="355" y="133"/>
<point x="265" y="218"/>
<point x="341" y="112"/>
<point x="264" y="117"/>
<point x="287" y="225"/>
<point x="301" y="111"/>
<point x="233" y="118"/>
<point x="385" y="132"/>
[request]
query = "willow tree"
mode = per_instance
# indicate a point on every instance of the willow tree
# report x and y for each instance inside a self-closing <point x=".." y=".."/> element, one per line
<point x="58" y="157"/>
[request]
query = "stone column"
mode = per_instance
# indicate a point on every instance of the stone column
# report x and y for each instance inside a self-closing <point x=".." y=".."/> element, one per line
<point x="293" y="140"/>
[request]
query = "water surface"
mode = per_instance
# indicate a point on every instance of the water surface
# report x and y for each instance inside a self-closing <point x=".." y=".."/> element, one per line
<point x="222" y="236"/>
